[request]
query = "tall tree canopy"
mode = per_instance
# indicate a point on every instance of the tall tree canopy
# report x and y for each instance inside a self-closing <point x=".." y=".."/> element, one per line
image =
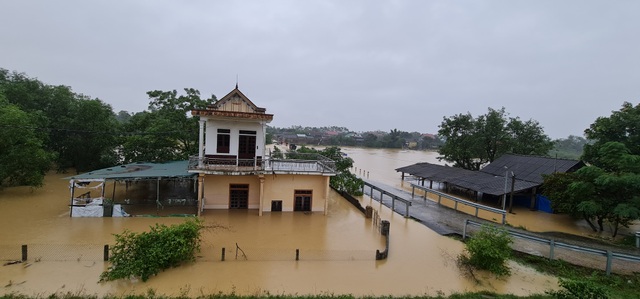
<point x="23" y="160"/>
<point x="609" y="188"/>
<point x="78" y="131"/>
<point x="622" y="126"/>
<point x="471" y="142"/>
<point x="166" y="132"/>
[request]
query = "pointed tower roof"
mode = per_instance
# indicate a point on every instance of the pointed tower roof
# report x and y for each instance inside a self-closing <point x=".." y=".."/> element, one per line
<point x="236" y="105"/>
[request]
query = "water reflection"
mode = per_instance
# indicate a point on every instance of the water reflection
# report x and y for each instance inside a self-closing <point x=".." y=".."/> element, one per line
<point x="336" y="251"/>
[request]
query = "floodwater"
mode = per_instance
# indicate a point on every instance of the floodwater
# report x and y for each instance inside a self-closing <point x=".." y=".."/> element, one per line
<point x="336" y="252"/>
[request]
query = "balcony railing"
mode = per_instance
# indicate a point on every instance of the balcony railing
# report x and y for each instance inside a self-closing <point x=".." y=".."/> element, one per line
<point x="282" y="163"/>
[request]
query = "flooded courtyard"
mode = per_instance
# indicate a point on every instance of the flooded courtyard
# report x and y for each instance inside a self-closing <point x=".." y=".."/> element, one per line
<point x="336" y="252"/>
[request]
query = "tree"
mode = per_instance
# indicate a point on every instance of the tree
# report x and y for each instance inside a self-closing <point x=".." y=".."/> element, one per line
<point x="23" y="160"/>
<point x="568" y="148"/>
<point x="80" y="131"/>
<point x="344" y="180"/>
<point x="166" y="132"/>
<point x="91" y="144"/>
<point x="608" y="189"/>
<point x="488" y="249"/>
<point x="605" y="193"/>
<point x="622" y="126"/>
<point x="470" y="143"/>
<point x="393" y="139"/>
<point x="145" y="254"/>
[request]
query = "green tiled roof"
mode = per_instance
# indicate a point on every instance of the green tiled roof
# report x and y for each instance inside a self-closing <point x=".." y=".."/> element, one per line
<point x="138" y="171"/>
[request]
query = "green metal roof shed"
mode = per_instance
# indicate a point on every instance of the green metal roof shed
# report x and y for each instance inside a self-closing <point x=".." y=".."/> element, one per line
<point x="139" y="170"/>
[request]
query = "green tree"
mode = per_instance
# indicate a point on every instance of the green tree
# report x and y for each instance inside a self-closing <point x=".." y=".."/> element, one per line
<point x="344" y="180"/>
<point x="568" y="148"/>
<point x="166" y="132"/>
<point x="370" y="140"/>
<point x="80" y="131"/>
<point x="608" y="189"/>
<point x="607" y="192"/>
<point x="462" y="145"/>
<point x="23" y="160"/>
<point x="489" y="249"/>
<point x="92" y="143"/>
<point x="145" y="254"/>
<point x="393" y="139"/>
<point x="472" y="142"/>
<point x="622" y="126"/>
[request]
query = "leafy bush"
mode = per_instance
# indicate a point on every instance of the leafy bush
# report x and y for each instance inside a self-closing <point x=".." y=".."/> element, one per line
<point x="584" y="289"/>
<point x="145" y="254"/>
<point x="489" y="249"/>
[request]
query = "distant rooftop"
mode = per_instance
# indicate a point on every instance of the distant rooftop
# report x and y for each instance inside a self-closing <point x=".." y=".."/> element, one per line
<point x="528" y="170"/>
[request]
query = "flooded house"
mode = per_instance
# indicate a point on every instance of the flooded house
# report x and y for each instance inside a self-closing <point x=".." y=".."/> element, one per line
<point x="236" y="170"/>
<point x="517" y="177"/>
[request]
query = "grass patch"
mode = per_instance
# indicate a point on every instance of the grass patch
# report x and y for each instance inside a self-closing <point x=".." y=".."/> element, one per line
<point x="616" y="285"/>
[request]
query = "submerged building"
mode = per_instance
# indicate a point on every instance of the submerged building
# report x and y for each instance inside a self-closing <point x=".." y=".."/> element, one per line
<point x="236" y="170"/>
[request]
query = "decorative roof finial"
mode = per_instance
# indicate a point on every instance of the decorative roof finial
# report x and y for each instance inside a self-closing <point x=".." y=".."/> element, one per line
<point x="236" y="81"/>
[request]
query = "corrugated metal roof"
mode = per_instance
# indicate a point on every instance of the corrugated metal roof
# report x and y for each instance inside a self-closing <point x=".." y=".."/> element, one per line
<point x="528" y="171"/>
<point x="530" y="168"/>
<point x="138" y="171"/>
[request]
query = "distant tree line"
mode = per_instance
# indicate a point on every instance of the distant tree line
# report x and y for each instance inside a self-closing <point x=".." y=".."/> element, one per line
<point x="45" y="126"/>
<point x="341" y="136"/>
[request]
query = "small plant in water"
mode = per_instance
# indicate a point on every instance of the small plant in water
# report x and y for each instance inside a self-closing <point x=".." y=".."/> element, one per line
<point x="489" y="249"/>
<point x="141" y="255"/>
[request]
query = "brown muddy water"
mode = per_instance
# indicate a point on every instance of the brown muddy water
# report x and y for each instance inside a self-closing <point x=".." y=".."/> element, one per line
<point x="336" y="251"/>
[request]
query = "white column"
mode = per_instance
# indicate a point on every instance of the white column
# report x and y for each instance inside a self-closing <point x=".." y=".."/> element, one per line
<point x="326" y="195"/>
<point x="261" y="195"/>
<point x="201" y="142"/>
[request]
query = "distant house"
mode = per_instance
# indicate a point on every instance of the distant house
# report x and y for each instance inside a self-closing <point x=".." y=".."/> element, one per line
<point x="519" y="174"/>
<point x="235" y="171"/>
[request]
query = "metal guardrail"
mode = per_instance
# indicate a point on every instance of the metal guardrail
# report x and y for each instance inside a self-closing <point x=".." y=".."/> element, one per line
<point x="459" y="200"/>
<point x="610" y="255"/>
<point x="394" y="197"/>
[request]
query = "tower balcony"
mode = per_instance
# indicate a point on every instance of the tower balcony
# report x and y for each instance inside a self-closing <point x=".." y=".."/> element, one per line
<point x="281" y="163"/>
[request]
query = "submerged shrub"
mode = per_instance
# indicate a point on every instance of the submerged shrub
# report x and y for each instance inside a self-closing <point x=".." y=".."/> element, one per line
<point x="489" y="249"/>
<point x="142" y="255"/>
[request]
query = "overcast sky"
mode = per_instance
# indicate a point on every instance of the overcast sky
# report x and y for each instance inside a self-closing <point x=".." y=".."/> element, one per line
<point x="364" y="65"/>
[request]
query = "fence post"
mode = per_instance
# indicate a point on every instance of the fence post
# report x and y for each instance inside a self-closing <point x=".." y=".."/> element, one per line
<point x="393" y="202"/>
<point x="464" y="229"/>
<point x="609" y="261"/>
<point x="297" y="254"/>
<point x="413" y="190"/>
<point x="406" y="204"/>
<point x="223" y="254"/>
<point x="106" y="253"/>
<point x="552" y="245"/>
<point x="24" y="253"/>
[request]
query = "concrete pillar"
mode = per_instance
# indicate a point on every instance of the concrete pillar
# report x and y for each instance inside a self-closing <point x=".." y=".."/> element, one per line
<point x="201" y="142"/>
<point x="200" y="193"/>
<point x="261" y="195"/>
<point x="326" y="195"/>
